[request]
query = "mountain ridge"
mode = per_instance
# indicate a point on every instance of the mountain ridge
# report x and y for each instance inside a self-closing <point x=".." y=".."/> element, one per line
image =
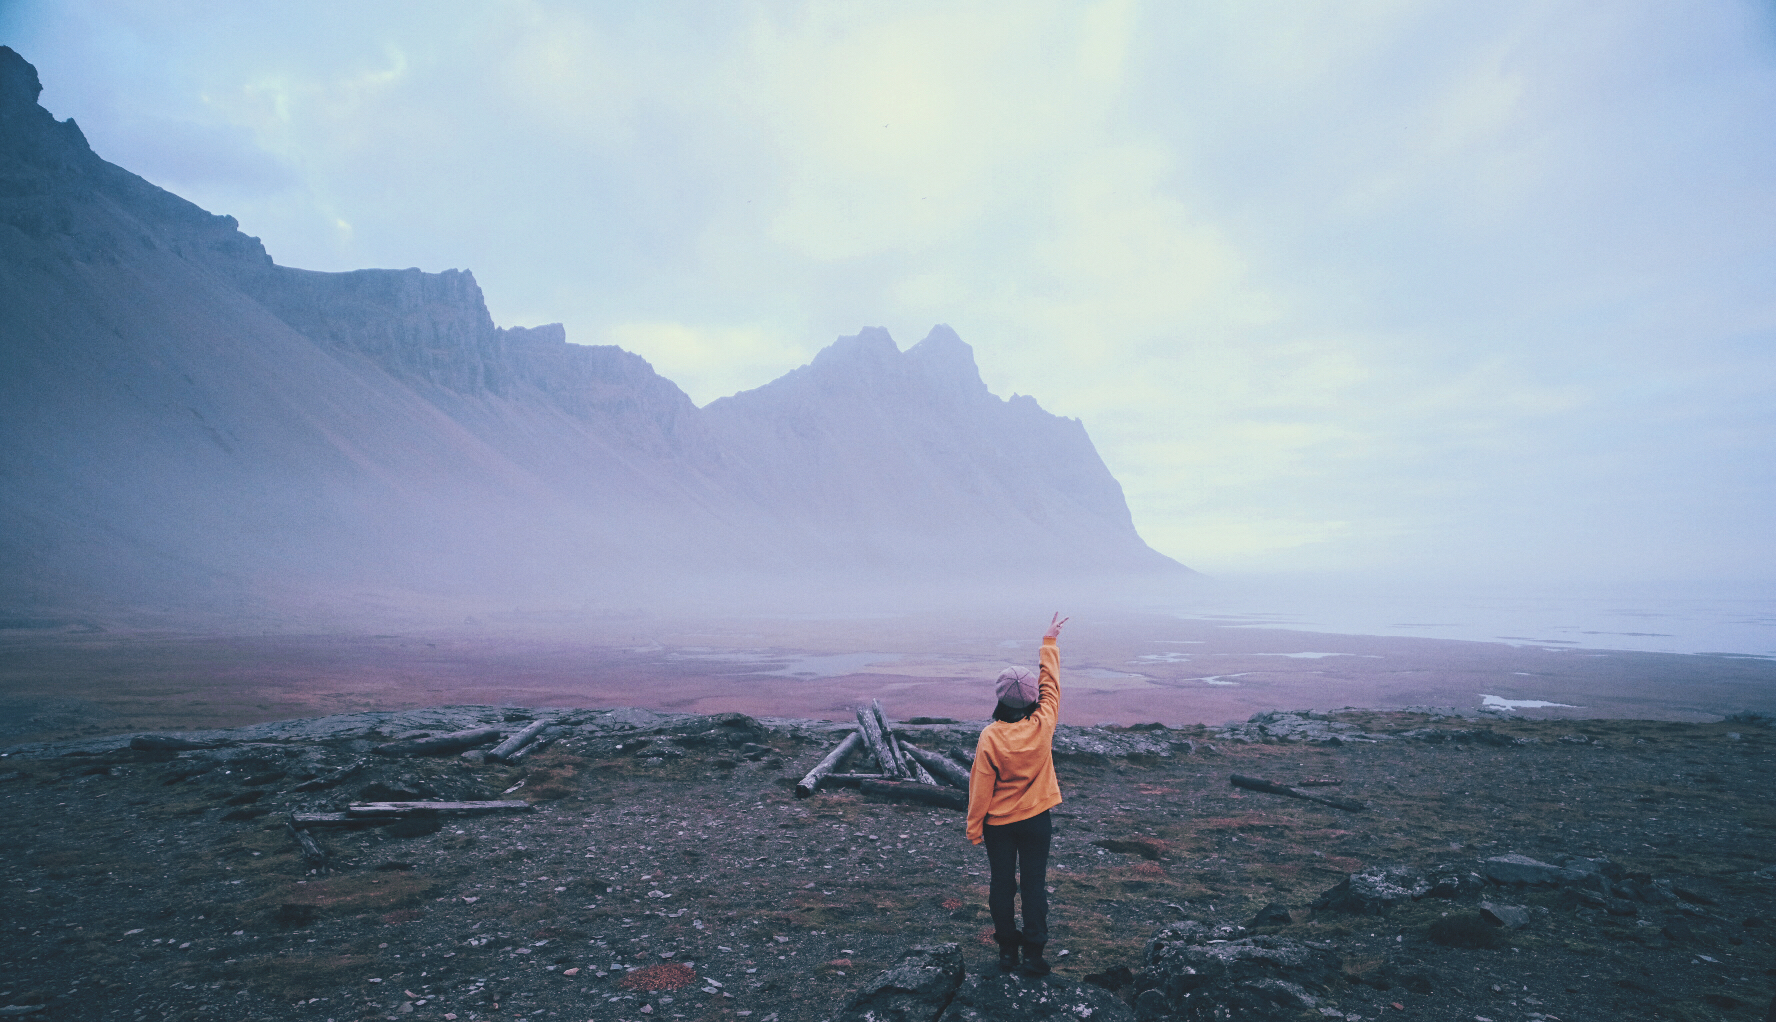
<point x="189" y="424"/>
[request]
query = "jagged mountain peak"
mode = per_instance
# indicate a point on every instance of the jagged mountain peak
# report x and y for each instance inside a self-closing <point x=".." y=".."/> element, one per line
<point x="19" y="85"/>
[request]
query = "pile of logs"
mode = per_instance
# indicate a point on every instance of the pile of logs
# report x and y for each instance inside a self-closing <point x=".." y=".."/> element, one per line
<point x="904" y="771"/>
<point x="529" y="740"/>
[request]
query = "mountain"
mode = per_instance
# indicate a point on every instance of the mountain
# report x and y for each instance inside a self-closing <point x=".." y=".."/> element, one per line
<point x="187" y="426"/>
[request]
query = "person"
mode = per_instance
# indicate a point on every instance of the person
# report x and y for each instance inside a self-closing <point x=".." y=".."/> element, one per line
<point x="1010" y="792"/>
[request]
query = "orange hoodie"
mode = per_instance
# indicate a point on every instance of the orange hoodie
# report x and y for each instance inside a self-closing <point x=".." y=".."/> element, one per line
<point x="1014" y="772"/>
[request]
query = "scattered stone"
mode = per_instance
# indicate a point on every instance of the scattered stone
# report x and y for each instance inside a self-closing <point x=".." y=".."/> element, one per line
<point x="995" y="996"/>
<point x="1511" y="917"/>
<point x="1375" y="891"/>
<point x="918" y="989"/>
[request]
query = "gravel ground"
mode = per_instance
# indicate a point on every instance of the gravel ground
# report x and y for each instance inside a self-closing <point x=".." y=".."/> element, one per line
<point x="666" y="870"/>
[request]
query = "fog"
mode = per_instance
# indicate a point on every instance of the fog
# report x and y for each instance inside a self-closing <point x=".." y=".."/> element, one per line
<point x="1462" y="295"/>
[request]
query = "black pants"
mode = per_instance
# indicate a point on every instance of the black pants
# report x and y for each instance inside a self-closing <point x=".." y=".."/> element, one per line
<point x="1018" y="855"/>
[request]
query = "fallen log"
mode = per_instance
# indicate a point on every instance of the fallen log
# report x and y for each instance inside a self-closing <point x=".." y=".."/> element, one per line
<point x="830" y="762"/>
<point x="547" y="739"/>
<point x="939" y="765"/>
<point x="456" y="741"/>
<point x="404" y="810"/>
<point x="328" y="780"/>
<point x="312" y="852"/>
<point x="517" y="741"/>
<point x="1272" y="788"/>
<point x="911" y="791"/>
<point x="852" y="780"/>
<point x="902" y="764"/>
<point x="878" y="744"/>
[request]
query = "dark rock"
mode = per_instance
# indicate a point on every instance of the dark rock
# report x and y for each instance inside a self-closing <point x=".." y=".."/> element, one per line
<point x="1622" y="907"/>
<point x="1151" y="1004"/>
<point x="1375" y="891"/>
<point x="1253" y="978"/>
<point x="243" y="798"/>
<point x="1114" y="978"/>
<point x="1511" y="917"/>
<point x="1449" y="880"/>
<point x="1272" y="914"/>
<point x="918" y="989"/>
<point x="994" y="995"/>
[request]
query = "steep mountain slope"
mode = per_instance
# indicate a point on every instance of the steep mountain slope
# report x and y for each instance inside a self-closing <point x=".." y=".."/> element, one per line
<point x="890" y="455"/>
<point x="186" y="425"/>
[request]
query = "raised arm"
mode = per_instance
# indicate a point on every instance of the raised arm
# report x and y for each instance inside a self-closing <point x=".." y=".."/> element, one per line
<point x="1048" y="712"/>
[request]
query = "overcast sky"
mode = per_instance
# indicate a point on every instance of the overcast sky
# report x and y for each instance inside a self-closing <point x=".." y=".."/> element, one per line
<point x="1456" y="289"/>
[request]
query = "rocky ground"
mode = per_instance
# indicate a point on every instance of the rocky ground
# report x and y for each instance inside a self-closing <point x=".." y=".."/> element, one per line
<point x="665" y="869"/>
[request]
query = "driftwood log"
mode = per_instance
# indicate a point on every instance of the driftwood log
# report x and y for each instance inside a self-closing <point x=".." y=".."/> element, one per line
<point x="543" y="741"/>
<point x="406" y="810"/>
<point x="877" y="742"/>
<point x="914" y="767"/>
<point x="901" y="765"/>
<point x="939" y="765"/>
<point x="312" y="852"/>
<point x="1272" y="788"/>
<point x="456" y="741"/>
<point x="928" y="794"/>
<point x="328" y="780"/>
<point x="852" y="780"/>
<point x="809" y="784"/>
<point x="517" y="741"/>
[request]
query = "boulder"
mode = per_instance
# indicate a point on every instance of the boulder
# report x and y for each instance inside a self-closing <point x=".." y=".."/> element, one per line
<point x="1375" y="891"/>
<point x="1273" y="914"/>
<point x="995" y="996"/>
<point x="1256" y="978"/>
<point x="917" y="989"/>
<point x="1449" y="880"/>
<point x="1511" y="917"/>
<point x="1521" y="869"/>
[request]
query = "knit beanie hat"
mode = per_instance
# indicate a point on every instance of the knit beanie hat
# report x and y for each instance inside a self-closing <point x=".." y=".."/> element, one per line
<point x="1018" y="687"/>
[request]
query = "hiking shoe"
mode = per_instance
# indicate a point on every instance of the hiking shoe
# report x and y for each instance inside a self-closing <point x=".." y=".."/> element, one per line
<point x="1034" y="963"/>
<point x="1008" y="956"/>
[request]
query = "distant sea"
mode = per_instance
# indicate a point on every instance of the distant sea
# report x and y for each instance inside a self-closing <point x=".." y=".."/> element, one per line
<point x="1730" y="619"/>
